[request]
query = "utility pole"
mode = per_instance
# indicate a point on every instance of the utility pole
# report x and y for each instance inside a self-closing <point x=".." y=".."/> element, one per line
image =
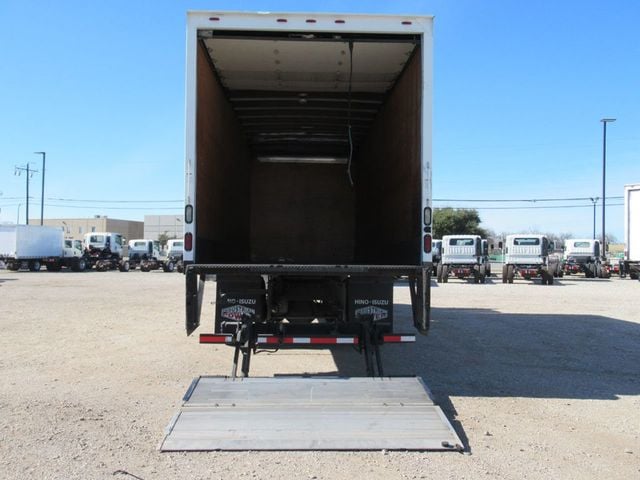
<point x="29" y="173"/>
<point x="44" y="157"/>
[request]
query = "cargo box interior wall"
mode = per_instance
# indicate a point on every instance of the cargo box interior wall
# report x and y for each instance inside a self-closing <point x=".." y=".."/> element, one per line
<point x="308" y="149"/>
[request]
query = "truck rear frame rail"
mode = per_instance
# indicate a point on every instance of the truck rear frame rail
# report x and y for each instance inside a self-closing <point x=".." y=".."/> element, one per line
<point x="358" y="310"/>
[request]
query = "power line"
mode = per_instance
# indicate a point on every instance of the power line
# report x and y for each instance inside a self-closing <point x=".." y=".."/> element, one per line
<point x="533" y="208"/>
<point x="530" y="200"/>
<point x="113" y="201"/>
<point x="94" y="207"/>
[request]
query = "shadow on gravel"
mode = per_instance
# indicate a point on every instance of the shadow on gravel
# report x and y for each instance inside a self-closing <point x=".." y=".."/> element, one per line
<point x="2" y="280"/>
<point x="484" y="353"/>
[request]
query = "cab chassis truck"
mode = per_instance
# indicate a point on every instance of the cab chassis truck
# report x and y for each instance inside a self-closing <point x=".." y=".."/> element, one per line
<point x="527" y="255"/>
<point x="104" y="251"/>
<point x="308" y="193"/>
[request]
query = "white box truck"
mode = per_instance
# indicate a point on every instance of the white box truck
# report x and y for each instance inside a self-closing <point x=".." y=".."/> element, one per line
<point x="308" y="193"/>
<point x="631" y="262"/>
<point x="308" y="175"/>
<point x="32" y="246"/>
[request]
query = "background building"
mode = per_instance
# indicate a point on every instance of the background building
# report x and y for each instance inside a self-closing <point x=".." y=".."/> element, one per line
<point x="156" y="225"/>
<point x="76" y="228"/>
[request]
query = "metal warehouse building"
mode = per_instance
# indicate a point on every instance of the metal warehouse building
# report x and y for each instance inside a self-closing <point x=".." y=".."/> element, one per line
<point x="76" y="228"/>
<point x="156" y="225"/>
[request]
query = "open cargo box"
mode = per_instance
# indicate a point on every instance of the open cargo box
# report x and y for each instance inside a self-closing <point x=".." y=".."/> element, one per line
<point x="283" y="120"/>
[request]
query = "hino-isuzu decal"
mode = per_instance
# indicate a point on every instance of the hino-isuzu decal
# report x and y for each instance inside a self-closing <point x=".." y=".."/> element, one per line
<point x="376" y="312"/>
<point x="236" y="312"/>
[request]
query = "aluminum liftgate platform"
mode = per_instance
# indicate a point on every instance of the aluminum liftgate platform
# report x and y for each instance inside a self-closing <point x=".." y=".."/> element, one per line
<point x="309" y="413"/>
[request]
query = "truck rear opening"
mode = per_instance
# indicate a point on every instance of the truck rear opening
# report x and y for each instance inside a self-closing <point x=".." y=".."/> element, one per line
<point x="308" y="146"/>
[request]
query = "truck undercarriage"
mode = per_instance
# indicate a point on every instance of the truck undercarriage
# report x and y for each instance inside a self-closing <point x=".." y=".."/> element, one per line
<point x="285" y="306"/>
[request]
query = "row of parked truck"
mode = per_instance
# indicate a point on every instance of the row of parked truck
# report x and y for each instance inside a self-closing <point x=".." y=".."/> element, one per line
<point x="31" y="247"/>
<point x="526" y="256"/>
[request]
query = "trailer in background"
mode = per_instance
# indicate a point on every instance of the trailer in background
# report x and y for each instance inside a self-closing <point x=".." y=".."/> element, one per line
<point x="631" y="261"/>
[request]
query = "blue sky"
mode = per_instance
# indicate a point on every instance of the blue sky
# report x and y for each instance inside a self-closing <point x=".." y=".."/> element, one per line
<point x="520" y="88"/>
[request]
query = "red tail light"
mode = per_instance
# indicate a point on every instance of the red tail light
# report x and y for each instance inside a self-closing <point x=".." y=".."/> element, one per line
<point x="427" y="244"/>
<point x="188" y="241"/>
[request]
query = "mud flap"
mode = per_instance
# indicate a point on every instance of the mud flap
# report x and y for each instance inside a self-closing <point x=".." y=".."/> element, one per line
<point x="194" y="292"/>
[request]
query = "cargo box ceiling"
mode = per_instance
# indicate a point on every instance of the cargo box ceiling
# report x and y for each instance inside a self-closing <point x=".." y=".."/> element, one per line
<point x="296" y="95"/>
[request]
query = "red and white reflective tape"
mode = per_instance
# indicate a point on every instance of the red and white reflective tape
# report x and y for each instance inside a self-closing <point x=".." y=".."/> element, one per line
<point x="215" y="338"/>
<point x="293" y="340"/>
<point x="398" y="338"/>
<point x="290" y="340"/>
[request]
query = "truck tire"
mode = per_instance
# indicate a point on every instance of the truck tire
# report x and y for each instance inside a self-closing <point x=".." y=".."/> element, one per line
<point x="445" y="274"/>
<point x="124" y="266"/>
<point x="34" y="265"/>
<point x="169" y="266"/>
<point x="144" y="266"/>
<point x="599" y="271"/>
<point x="13" y="266"/>
<point x="439" y="272"/>
<point x="53" y="267"/>
<point x="180" y="267"/>
<point x="77" y="264"/>
<point x="504" y="273"/>
<point x="510" y="274"/>
<point x="549" y="278"/>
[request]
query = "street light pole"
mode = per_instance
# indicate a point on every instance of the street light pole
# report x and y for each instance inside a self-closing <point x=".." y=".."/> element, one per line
<point x="44" y="157"/>
<point x="604" y="176"/>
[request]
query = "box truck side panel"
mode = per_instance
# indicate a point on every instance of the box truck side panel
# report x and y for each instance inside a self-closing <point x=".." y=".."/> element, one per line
<point x="223" y="173"/>
<point x="388" y="176"/>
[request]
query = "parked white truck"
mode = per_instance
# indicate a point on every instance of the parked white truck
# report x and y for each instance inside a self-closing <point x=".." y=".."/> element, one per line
<point x="104" y="250"/>
<point x="146" y="253"/>
<point x="32" y="246"/>
<point x="436" y="255"/>
<point x="527" y="255"/>
<point x="175" y="249"/>
<point x="308" y="193"/>
<point x="584" y="255"/>
<point x="463" y="256"/>
<point x="631" y="261"/>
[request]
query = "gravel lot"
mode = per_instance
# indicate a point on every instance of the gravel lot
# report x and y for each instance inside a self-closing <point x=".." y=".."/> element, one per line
<point x="539" y="381"/>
